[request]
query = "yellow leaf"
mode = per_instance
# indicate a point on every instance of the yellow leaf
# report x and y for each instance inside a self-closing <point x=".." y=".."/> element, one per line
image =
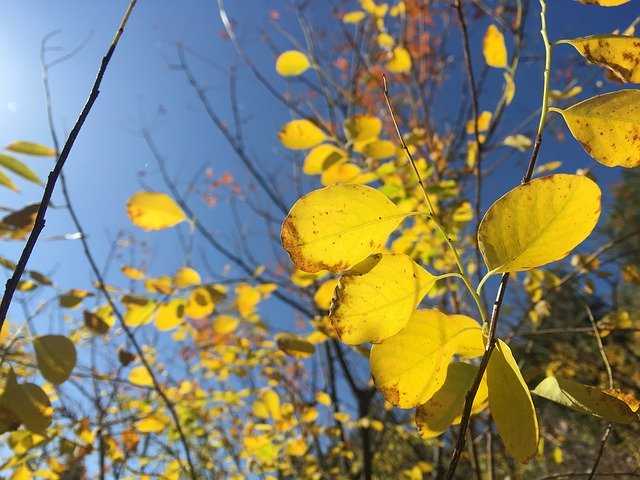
<point x="385" y="40"/>
<point x="140" y="376"/>
<point x="169" y="315"/>
<point x="379" y="149"/>
<point x="410" y="367"/>
<point x="21" y="473"/>
<point x="294" y="345"/>
<point x="224" y="324"/>
<point x="519" y="141"/>
<point x="494" y="48"/>
<point x="484" y="119"/>
<point x="30" y="148"/>
<point x="340" y="172"/>
<point x="324" y="294"/>
<point x="137" y="315"/>
<point x="338" y="226"/>
<point x="558" y="458"/>
<point x="292" y="63"/>
<point x="607" y="127"/>
<point x="154" y="211"/>
<point x="300" y="135"/>
<point x="618" y="53"/>
<point x="539" y="222"/>
<point x="247" y="297"/>
<point x="152" y="424"/>
<point x="445" y="407"/>
<point x="362" y="127"/>
<point x="295" y="447"/>
<point x="56" y="357"/>
<point x="376" y="298"/>
<point x="163" y="285"/>
<point x="199" y="304"/>
<point x="100" y="320"/>
<point x="400" y="61"/>
<point x="27" y="404"/>
<point x="271" y="401"/>
<point x="7" y="182"/>
<point x="548" y="167"/>
<point x="19" y="168"/>
<point x="323" y="398"/>
<point x="186" y="277"/>
<point x="132" y="273"/>
<point x="585" y="399"/>
<point x="322" y="157"/>
<point x="509" y="88"/>
<point x="604" y="3"/>
<point x="353" y="17"/>
<point x="511" y="405"/>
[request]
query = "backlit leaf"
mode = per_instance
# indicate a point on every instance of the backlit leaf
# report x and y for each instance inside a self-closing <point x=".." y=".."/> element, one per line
<point x="322" y="157"/>
<point x="137" y="315"/>
<point x="30" y="148"/>
<point x="410" y="367"/>
<point x="618" y="53"/>
<point x="338" y="226"/>
<point x="169" y="315"/>
<point x="340" y="172"/>
<point x="484" y="119"/>
<point x="225" y="324"/>
<point x="539" y="222"/>
<point x="519" y="141"/>
<point x="379" y="149"/>
<point x="400" y="61"/>
<point x="324" y="294"/>
<point x="511" y="405"/>
<point x="608" y="127"/>
<point x="152" y="424"/>
<point x="7" y="182"/>
<point x="154" y="211"/>
<point x="132" y="272"/>
<point x="19" y="168"/>
<point x="300" y="135"/>
<point x="586" y="399"/>
<point x="292" y="63"/>
<point x="353" y="17"/>
<point x="375" y="299"/>
<point x="362" y="127"/>
<point x="100" y="320"/>
<point x="186" y="277"/>
<point x="200" y="303"/>
<point x="56" y="357"/>
<point x="494" y="48"/>
<point x="140" y="376"/>
<point x="445" y="407"/>
<point x="27" y="403"/>
<point x="604" y="3"/>
<point x="294" y="345"/>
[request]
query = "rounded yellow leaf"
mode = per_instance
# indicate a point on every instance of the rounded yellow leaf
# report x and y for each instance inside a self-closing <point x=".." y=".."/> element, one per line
<point x="140" y="376"/>
<point x="400" y="61"/>
<point x="445" y="407"/>
<point x="323" y="398"/>
<point x="411" y="366"/>
<point x="292" y="63"/>
<point x="494" y="48"/>
<point x="137" y="315"/>
<point x="200" y="303"/>
<point x="154" y="211"/>
<point x="385" y="40"/>
<point x="169" y="315"/>
<point x="375" y="299"/>
<point x="152" y="424"/>
<point x="322" y="157"/>
<point x="340" y="172"/>
<point x="511" y="405"/>
<point x="224" y="324"/>
<point x="324" y="294"/>
<point x="56" y="357"/>
<point x="296" y="447"/>
<point x="132" y="272"/>
<point x="608" y="127"/>
<point x="300" y="135"/>
<point x="539" y="222"/>
<point x="338" y="226"/>
<point x="186" y="277"/>
<point x="605" y="3"/>
<point x="360" y="128"/>
<point x="294" y="345"/>
<point x="379" y="149"/>
<point x="24" y="404"/>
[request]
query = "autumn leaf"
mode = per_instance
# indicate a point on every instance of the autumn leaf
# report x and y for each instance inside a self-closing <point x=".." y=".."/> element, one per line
<point x="154" y="211"/>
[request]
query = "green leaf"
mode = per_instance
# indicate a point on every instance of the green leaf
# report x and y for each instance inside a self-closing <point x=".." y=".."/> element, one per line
<point x="40" y="278"/>
<point x="511" y="405"/>
<point x="376" y="298"/>
<point x="19" y="168"/>
<point x="538" y="222"/>
<point x="7" y="182"/>
<point x="618" y="53"/>
<point x="586" y="399"/>
<point x="56" y="357"/>
<point x="31" y="148"/>
<point x="608" y="127"/>
<point x="335" y="227"/>
<point x="410" y="367"/>
<point x="24" y="403"/>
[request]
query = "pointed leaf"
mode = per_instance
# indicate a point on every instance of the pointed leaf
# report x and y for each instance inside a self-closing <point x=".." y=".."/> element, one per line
<point x="140" y="376"/>
<point x="292" y="63"/>
<point x="511" y="405"/>
<point x="586" y="399"/>
<point x="7" y="182"/>
<point x="376" y="298"/>
<point x="494" y="48"/>
<point x="154" y="211"/>
<point x="604" y="3"/>
<point x="19" y="168"/>
<point x="30" y="148"/>
<point x="294" y="345"/>
<point x="56" y="357"/>
<point x="538" y="222"/>
<point x="338" y="226"/>
<point x="618" y="53"/>
<point x="410" y="367"/>
<point x="445" y="407"/>
<point x="300" y="135"/>
<point x="608" y="127"/>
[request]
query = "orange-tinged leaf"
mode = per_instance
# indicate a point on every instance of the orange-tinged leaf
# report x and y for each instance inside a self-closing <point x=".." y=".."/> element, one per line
<point x="31" y="148"/>
<point x="539" y="222"/>
<point x="586" y="399"/>
<point x="294" y="345"/>
<point x="411" y="366"/>
<point x="338" y="226"/>
<point x="140" y="376"/>
<point x="169" y="315"/>
<point x="494" y="48"/>
<point x="511" y="405"/>
<point x="300" y="135"/>
<point x="154" y="211"/>
<point x="400" y="61"/>
<point x="445" y="407"/>
<point x="56" y="357"/>
<point x="322" y="157"/>
<point x="375" y="299"/>
<point x="292" y="63"/>
<point x="608" y="127"/>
